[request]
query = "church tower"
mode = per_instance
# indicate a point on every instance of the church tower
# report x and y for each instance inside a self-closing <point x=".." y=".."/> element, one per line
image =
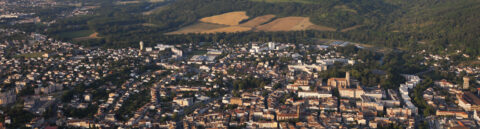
<point x="347" y="78"/>
<point x="466" y="82"/>
<point x="141" y="48"/>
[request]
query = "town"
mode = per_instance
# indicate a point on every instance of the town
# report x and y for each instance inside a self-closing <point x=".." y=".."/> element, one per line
<point x="47" y="83"/>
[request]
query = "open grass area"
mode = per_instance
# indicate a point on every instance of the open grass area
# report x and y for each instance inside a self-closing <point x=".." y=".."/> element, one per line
<point x="76" y="34"/>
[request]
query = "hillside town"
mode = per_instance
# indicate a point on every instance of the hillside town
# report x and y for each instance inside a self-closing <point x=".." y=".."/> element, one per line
<point x="55" y="84"/>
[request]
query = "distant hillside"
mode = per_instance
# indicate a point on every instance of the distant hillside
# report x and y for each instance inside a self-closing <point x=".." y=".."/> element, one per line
<point x="231" y="22"/>
<point x="442" y="23"/>
<point x="430" y="24"/>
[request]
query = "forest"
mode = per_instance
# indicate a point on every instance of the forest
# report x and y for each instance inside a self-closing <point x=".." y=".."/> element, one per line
<point x="434" y="25"/>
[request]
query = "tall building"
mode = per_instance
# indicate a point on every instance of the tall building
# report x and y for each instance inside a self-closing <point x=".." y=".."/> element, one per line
<point x="141" y="48"/>
<point x="271" y="45"/>
<point x="466" y="83"/>
<point x="347" y="78"/>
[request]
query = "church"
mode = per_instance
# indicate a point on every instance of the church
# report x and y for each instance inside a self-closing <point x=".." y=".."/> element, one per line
<point x="345" y="87"/>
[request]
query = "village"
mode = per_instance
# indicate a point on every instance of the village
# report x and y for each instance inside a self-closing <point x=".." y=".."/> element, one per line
<point x="214" y="85"/>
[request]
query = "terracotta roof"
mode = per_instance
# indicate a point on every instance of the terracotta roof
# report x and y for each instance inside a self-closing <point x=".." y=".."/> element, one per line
<point x="471" y="98"/>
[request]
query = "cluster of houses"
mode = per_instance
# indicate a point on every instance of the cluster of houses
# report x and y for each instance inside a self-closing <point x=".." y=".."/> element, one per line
<point x="183" y="89"/>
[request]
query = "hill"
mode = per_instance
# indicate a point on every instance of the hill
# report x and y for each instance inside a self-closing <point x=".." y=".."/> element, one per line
<point x="439" y="24"/>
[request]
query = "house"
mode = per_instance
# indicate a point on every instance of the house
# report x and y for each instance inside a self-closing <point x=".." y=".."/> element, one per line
<point x="236" y="101"/>
<point x="468" y="101"/>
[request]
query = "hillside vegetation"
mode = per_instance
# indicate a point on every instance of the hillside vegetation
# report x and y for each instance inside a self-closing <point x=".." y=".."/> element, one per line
<point x="438" y="24"/>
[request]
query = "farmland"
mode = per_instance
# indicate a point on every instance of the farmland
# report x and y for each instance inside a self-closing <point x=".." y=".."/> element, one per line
<point x="231" y="23"/>
<point x="231" y="18"/>
<point x="258" y="21"/>
<point x="292" y="24"/>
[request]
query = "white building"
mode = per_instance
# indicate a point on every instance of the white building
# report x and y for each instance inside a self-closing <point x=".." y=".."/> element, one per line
<point x="314" y="94"/>
<point x="271" y="45"/>
<point x="183" y="102"/>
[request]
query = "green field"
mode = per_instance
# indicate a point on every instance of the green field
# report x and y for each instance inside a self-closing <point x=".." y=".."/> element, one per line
<point x="76" y="34"/>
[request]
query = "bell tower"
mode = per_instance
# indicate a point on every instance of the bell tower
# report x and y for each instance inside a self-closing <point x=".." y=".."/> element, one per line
<point x="347" y="78"/>
<point x="466" y="82"/>
<point x="141" y="48"/>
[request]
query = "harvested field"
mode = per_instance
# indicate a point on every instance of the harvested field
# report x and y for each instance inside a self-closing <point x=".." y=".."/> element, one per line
<point x="230" y="29"/>
<point x="292" y="24"/>
<point x="231" y="18"/>
<point x="257" y="21"/>
<point x="229" y="23"/>
<point x="198" y="28"/>
<point x="320" y="28"/>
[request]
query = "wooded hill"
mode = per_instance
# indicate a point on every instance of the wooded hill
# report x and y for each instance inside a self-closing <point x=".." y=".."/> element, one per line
<point x="427" y="24"/>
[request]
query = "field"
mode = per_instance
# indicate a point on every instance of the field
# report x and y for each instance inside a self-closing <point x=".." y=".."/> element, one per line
<point x="292" y="24"/>
<point x="231" y="18"/>
<point x="230" y="29"/>
<point x="230" y="23"/>
<point x="258" y="21"/>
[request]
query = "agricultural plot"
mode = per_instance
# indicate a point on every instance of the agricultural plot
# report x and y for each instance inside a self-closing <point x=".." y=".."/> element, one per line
<point x="231" y="18"/>
<point x="230" y="23"/>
